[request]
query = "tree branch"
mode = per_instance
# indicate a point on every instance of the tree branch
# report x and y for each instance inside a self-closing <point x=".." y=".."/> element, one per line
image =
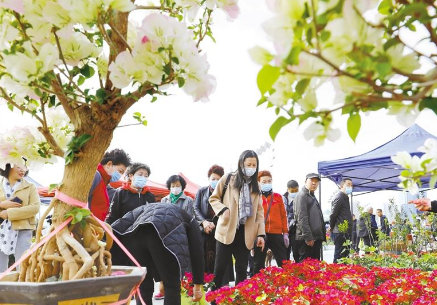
<point x="22" y="108"/>
<point x="57" y="151"/>
<point x="153" y="7"/>
<point x="345" y="73"/>
<point x="313" y="10"/>
<point x="208" y="20"/>
<point x="120" y="36"/>
<point x="57" y="87"/>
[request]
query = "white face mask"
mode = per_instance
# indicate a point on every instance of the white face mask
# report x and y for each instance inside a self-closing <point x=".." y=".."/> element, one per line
<point x="176" y="190"/>
<point x="249" y="171"/>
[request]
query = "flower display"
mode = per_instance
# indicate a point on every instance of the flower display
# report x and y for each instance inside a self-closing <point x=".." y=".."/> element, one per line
<point x="315" y="282"/>
<point x="187" y="287"/>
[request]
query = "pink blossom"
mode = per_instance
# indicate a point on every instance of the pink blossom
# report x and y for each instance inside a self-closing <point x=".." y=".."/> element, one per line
<point x="15" y="5"/>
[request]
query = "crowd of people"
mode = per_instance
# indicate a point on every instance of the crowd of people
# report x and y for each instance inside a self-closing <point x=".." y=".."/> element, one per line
<point x="237" y="215"/>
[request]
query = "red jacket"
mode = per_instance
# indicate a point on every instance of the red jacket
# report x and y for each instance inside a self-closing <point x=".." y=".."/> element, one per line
<point x="277" y="221"/>
<point x="98" y="199"/>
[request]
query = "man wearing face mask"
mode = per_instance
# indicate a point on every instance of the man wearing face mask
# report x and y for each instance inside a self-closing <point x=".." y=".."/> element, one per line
<point x="340" y="213"/>
<point x="292" y="189"/>
<point x="310" y="227"/>
<point x="110" y="169"/>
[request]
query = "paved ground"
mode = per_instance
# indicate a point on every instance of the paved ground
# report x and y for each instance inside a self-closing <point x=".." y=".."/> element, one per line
<point x="328" y="256"/>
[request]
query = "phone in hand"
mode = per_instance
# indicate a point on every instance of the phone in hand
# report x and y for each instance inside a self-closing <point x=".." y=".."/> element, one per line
<point x="17" y="200"/>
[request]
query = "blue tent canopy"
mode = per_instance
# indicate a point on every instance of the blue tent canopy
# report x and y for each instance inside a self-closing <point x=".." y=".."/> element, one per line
<point x="374" y="170"/>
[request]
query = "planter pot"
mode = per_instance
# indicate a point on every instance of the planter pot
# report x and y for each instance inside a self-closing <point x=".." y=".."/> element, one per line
<point x="95" y="291"/>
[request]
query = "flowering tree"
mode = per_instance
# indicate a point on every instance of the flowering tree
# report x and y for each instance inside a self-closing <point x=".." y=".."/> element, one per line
<point x="376" y="55"/>
<point x="76" y="67"/>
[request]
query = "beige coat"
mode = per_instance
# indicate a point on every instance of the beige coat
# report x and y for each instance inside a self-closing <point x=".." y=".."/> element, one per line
<point x="226" y="228"/>
<point x="23" y="218"/>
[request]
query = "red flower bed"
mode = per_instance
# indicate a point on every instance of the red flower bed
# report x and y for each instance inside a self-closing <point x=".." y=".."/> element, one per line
<point x="315" y="282"/>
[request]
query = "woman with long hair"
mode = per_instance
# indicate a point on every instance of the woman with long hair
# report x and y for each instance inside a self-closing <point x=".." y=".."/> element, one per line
<point x="237" y="202"/>
<point x="19" y="203"/>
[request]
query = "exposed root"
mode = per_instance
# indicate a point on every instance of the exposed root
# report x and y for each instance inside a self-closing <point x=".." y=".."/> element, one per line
<point x="75" y="252"/>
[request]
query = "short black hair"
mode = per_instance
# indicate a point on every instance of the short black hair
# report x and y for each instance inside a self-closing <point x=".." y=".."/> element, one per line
<point x="5" y="172"/>
<point x="292" y="184"/>
<point x="176" y="178"/>
<point x="343" y="181"/>
<point x="117" y="156"/>
<point x="136" y="166"/>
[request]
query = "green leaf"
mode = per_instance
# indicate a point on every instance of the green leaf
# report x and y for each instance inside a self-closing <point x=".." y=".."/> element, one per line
<point x="277" y="126"/>
<point x="81" y="140"/>
<point x="305" y="116"/>
<point x="175" y="60"/>
<point x="167" y="69"/>
<point x="154" y="99"/>
<point x="325" y="35"/>
<point x="389" y="43"/>
<point x="354" y="125"/>
<point x="144" y="122"/>
<point x="384" y="7"/>
<point x="293" y="56"/>
<point x="77" y="218"/>
<point x="383" y="69"/>
<point x="101" y="96"/>
<point x="81" y="80"/>
<point x="261" y="101"/>
<point x="52" y="187"/>
<point x="428" y="102"/>
<point x="267" y="76"/>
<point x="160" y="49"/>
<point x="302" y="85"/>
<point x="432" y="181"/>
<point x="181" y="82"/>
<point x="87" y="71"/>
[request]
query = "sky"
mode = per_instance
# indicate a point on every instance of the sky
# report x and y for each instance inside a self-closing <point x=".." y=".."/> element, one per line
<point x="183" y="136"/>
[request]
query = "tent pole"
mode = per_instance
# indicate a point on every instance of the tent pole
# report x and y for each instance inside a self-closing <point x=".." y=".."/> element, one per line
<point x="320" y="201"/>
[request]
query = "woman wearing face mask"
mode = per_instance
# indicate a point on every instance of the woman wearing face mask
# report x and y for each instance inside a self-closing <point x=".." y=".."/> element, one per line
<point x="176" y="185"/>
<point x="292" y="190"/>
<point x="19" y="203"/>
<point x="132" y="194"/>
<point x="240" y="217"/>
<point x="275" y="224"/>
<point x="205" y="214"/>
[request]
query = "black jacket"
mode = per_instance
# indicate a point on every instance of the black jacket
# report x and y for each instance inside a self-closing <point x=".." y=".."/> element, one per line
<point x="124" y="201"/>
<point x="309" y="217"/>
<point x="434" y="206"/>
<point x="178" y="231"/>
<point x="289" y="209"/>
<point x="201" y="204"/>
<point x="340" y="211"/>
<point x="367" y="221"/>
<point x="385" y="227"/>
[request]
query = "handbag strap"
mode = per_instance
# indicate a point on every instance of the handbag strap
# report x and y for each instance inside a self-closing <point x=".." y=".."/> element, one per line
<point x="268" y="209"/>
<point x="225" y="187"/>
